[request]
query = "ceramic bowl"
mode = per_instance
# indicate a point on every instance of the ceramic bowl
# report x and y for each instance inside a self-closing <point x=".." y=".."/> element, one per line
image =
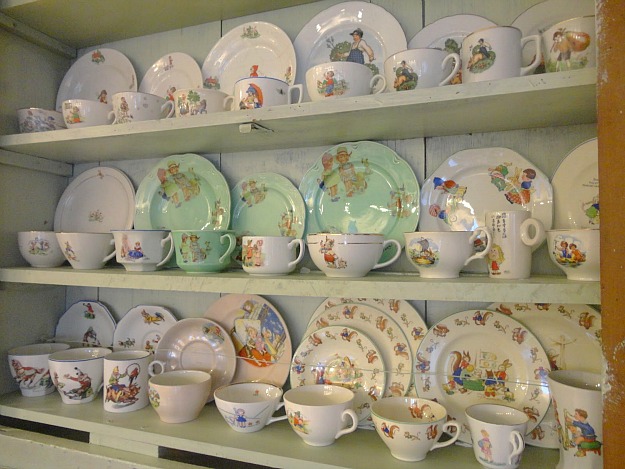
<point x="570" y="45"/>
<point x="35" y="119"/>
<point x="29" y="367"/>
<point x="40" y="248"/>
<point x="87" y="250"/>
<point x="179" y="396"/>
<point x="575" y="252"/>
<point x="333" y="80"/>
<point x="135" y="106"/>
<point x="85" y="113"/>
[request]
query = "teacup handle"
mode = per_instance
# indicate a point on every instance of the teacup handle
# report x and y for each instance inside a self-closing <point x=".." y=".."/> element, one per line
<point x="454" y="436"/>
<point x="112" y="116"/>
<point x="171" y="249"/>
<point x="300" y="95"/>
<point x="538" y="56"/>
<point x="111" y="255"/>
<point x="394" y="258"/>
<point x="302" y="250"/>
<point x="453" y="73"/>
<point x="168" y="104"/>
<point x="352" y="428"/>
<point x="518" y="445"/>
<point x="489" y="242"/>
<point x="539" y="232"/>
<point x="277" y="419"/>
<point x="154" y="363"/>
<point x="233" y="243"/>
<point x="374" y="81"/>
<point x="228" y="103"/>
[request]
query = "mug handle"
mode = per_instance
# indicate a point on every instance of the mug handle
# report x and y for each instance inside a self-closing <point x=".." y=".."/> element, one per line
<point x="228" y="103"/>
<point x="374" y="81"/>
<point x="539" y="232"/>
<point x="151" y="370"/>
<point x="277" y="419"/>
<point x="394" y="258"/>
<point x="489" y="242"/>
<point x="233" y="244"/>
<point x="111" y="255"/>
<point x="302" y="250"/>
<point x="292" y="88"/>
<point x="352" y="428"/>
<point x="112" y="115"/>
<point x="171" y="249"/>
<point x="538" y="55"/>
<point x="453" y="73"/>
<point x="454" y="436"/>
<point x="168" y="104"/>
<point x="518" y="445"/>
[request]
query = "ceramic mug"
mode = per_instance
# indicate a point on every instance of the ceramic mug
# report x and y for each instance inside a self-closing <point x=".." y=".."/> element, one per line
<point x="496" y="52"/>
<point x="142" y="250"/>
<point x="78" y="373"/>
<point x="442" y="254"/>
<point x="86" y="250"/>
<point x="79" y="113"/>
<point x="203" y="251"/>
<point x="259" y="92"/>
<point x="577" y="252"/>
<point x="515" y="233"/>
<point x="333" y="80"/>
<point x="577" y="402"/>
<point x="196" y="102"/>
<point x="271" y="255"/>
<point x="134" y="106"/>
<point x="179" y="396"/>
<point x="320" y="413"/>
<point x="40" y="248"/>
<point x="126" y="377"/>
<point x="570" y="45"/>
<point x="420" y="68"/>
<point x="30" y="369"/>
<point x="498" y="434"/>
<point x="35" y="119"/>
<point x="249" y="407"/>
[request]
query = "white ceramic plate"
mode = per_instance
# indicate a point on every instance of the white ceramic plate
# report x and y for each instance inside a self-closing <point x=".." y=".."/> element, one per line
<point x="328" y="35"/>
<point x="343" y="356"/>
<point x="142" y="328"/>
<point x="481" y="356"/>
<point x="571" y="336"/>
<point x="255" y="49"/>
<point x="174" y="71"/>
<point x="199" y="344"/>
<point x="576" y="188"/>
<point x="97" y="76"/>
<point x="260" y="336"/>
<point x="87" y="324"/>
<point x="99" y="200"/>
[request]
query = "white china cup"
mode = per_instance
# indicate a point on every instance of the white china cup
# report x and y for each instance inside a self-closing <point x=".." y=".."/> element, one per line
<point x="248" y="407"/>
<point x="570" y="45"/>
<point x="197" y="102"/>
<point x="333" y="80"/>
<point x="135" y="106"/>
<point x="442" y="254"/>
<point x="30" y="370"/>
<point x="496" y="52"/>
<point x="271" y="255"/>
<point x="320" y="413"/>
<point x="498" y="435"/>
<point x="40" y="248"/>
<point x="420" y="68"/>
<point x="142" y="250"/>
<point x="79" y="113"/>
<point x="126" y="377"/>
<point x="411" y="427"/>
<point x="349" y="255"/>
<point x="261" y="92"/>
<point x="35" y="119"/>
<point x="78" y="373"/>
<point x="86" y="250"/>
<point x="576" y="252"/>
<point x="179" y="396"/>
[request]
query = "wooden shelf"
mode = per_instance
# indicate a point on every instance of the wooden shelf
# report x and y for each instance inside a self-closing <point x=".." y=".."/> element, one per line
<point x="551" y="99"/>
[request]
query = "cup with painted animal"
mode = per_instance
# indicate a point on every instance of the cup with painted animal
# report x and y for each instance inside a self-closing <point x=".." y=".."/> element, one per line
<point x="40" y="248"/>
<point x="143" y="250"/>
<point x="576" y="252"/>
<point x="203" y="251"/>
<point x="334" y="80"/>
<point x="261" y="92"/>
<point x="570" y="45"/>
<point x="199" y="101"/>
<point x="135" y="106"/>
<point x="271" y="255"/>
<point x="30" y="370"/>
<point x="36" y="119"/>
<point x="79" y="113"/>
<point x="126" y="380"/>
<point x="179" y="396"/>
<point x="87" y="250"/>
<point x="420" y="68"/>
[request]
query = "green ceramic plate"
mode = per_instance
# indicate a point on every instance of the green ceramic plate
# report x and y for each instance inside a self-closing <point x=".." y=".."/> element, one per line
<point x="183" y="192"/>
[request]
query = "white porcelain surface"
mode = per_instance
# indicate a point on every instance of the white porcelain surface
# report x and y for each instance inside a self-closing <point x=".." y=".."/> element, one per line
<point x="263" y="92"/>
<point x="134" y="106"/>
<point x="179" y="396"/>
<point x="333" y="80"/>
<point x="34" y="119"/>
<point x="142" y="328"/>
<point x="28" y="365"/>
<point x="420" y="68"/>
<point x="86" y="323"/>
<point x="87" y="251"/>
<point x="173" y="71"/>
<point x="198" y="102"/>
<point x="143" y="250"/>
<point x="570" y="45"/>
<point x="126" y="380"/>
<point x="79" y="113"/>
<point x="271" y="255"/>
<point x="40" y="248"/>
<point x="576" y="252"/>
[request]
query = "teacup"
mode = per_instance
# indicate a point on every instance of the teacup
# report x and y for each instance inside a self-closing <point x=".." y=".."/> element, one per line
<point x="496" y="52"/>
<point x="333" y="80"/>
<point x="349" y="254"/>
<point x="126" y="376"/>
<point x="135" y="106"/>
<point x="271" y="255"/>
<point x="29" y="367"/>
<point x="78" y="373"/>
<point x="142" y="250"/>
<point x="576" y="252"/>
<point x="411" y="427"/>
<point x="203" y="251"/>
<point x="570" y="45"/>
<point x="498" y="434"/>
<point x="86" y="250"/>
<point x="196" y="102"/>
<point x="320" y="413"/>
<point x="179" y="396"/>
<point x="420" y="68"/>
<point x="35" y="119"/>
<point x="442" y="254"/>
<point x="248" y="407"/>
<point x="79" y="113"/>
<point x="40" y="248"/>
<point x="259" y="92"/>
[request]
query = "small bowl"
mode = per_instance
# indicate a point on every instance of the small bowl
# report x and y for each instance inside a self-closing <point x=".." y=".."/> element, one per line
<point x="87" y="250"/>
<point x="36" y="119"/>
<point x="29" y="367"/>
<point x="576" y="252"/>
<point x="40" y="248"/>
